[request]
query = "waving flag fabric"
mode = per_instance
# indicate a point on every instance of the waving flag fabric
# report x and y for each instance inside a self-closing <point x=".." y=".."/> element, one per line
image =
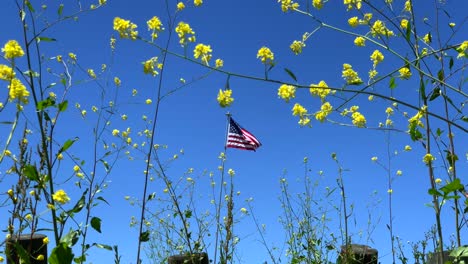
<point x="241" y="138"/>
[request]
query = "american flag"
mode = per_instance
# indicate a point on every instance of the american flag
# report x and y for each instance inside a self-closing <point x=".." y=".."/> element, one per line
<point x="241" y="138"/>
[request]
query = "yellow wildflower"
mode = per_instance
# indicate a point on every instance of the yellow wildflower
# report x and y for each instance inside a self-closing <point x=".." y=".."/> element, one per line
<point x="225" y="97"/>
<point x="379" y="29"/>
<point x="287" y="5"/>
<point x="219" y="63"/>
<point x="91" y="73"/>
<point x="358" y="119"/>
<point x="325" y="110"/>
<point x="60" y="156"/>
<point x="408" y="148"/>
<point x="319" y="89"/>
<point x="462" y="49"/>
<point x="370" y="98"/>
<point x="148" y="66"/>
<point x="185" y="33"/>
<point x="61" y="197"/>
<point x="117" y="81"/>
<point x="407" y="7"/>
<point x="45" y="240"/>
<point x="102" y="2"/>
<point x="243" y="210"/>
<point x="374" y="159"/>
<point x="304" y="121"/>
<point x="148" y="101"/>
<point x="353" y="22"/>
<point x="154" y="24"/>
<point x="197" y="2"/>
<point x="360" y="41"/>
<point x="428" y="158"/>
<point x="404" y="23"/>
<point x="287" y="92"/>
<point x="438" y="180"/>
<point x="126" y="28"/>
<point x="390" y="191"/>
<point x="376" y="57"/>
<point x="6" y="73"/>
<point x="203" y="52"/>
<point x="317" y="4"/>
<point x="40" y="257"/>
<point x="405" y="73"/>
<point x="17" y="90"/>
<point x="427" y="38"/>
<point x="372" y="74"/>
<point x="265" y="55"/>
<point x="399" y="173"/>
<point x="299" y="110"/>
<point x="297" y="46"/>
<point x="389" y="111"/>
<point x="72" y="56"/>
<point x="180" y="6"/>
<point x="452" y="25"/>
<point x="115" y="132"/>
<point x="12" y="49"/>
<point x="353" y="3"/>
<point x="350" y="75"/>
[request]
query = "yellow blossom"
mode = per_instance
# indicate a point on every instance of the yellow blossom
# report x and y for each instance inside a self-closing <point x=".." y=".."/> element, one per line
<point x="185" y="33"/>
<point x="358" y="119"/>
<point x="72" y="56"/>
<point x="197" y="2"/>
<point x="115" y="132"/>
<point x="370" y="98"/>
<point x="40" y="257"/>
<point x="350" y="75"/>
<point x="374" y="159"/>
<point x="407" y="7"/>
<point x="399" y="173"/>
<point x="318" y="4"/>
<point x="428" y="158"/>
<point x="60" y="156"/>
<point x="321" y="90"/>
<point x="462" y="49"/>
<point x="265" y="55"/>
<point x="389" y="111"/>
<point x="225" y="97"/>
<point x="102" y="2"/>
<point x="360" y="41"/>
<point x="203" y="52"/>
<point x="219" y="63"/>
<point x="180" y="6"/>
<point x="287" y="92"/>
<point x="438" y="180"/>
<point x="408" y="148"/>
<point x="390" y="191"/>
<point x="377" y="57"/>
<point x="6" y="73"/>
<point x="304" y="121"/>
<point x="297" y="46"/>
<point x="325" y="110"/>
<point x="452" y="25"/>
<point x="287" y="5"/>
<point x="149" y="66"/>
<point x="126" y="28"/>
<point x="12" y="49"/>
<point x="154" y="24"/>
<point x="353" y="3"/>
<point x="299" y="110"/>
<point x="17" y="90"/>
<point x="404" y="23"/>
<point x="243" y="210"/>
<point x="405" y="73"/>
<point x="379" y="29"/>
<point x="45" y="240"/>
<point x="117" y="81"/>
<point x="76" y="168"/>
<point x="372" y="74"/>
<point x="61" y="197"/>
<point x="2" y="259"/>
<point x="427" y="38"/>
<point x="91" y="73"/>
<point x="148" y="101"/>
<point x="353" y="22"/>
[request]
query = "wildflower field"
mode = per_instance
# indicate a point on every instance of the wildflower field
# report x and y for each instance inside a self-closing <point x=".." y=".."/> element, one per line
<point x="118" y="142"/>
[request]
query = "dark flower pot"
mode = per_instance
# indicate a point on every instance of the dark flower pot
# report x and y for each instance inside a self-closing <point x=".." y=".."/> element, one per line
<point x="357" y="254"/>
<point x="26" y="245"/>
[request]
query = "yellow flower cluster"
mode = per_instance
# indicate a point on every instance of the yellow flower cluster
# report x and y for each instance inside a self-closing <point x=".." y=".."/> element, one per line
<point x="353" y="4"/>
<point x="225" y="97"/>
<point x="126" y="28"/>
<point x="376" y="57"/>
<point x="354" y="21"/>
<point x="428" y="158"/>
<point x="6" y="73"/>
<point x="149" y="66"/>
<point x="61" y="197"/>
<point x="318" y="4"/>
<point x="299" y="110"/>
<point x="379" y="29"/>
<point x="91" y="73"/>
<point x="407" y="7"/>
<point x="321" y="90"/>
<point x="287" y="5"/>
<point x="185" y="33"/>
<point x="462" y="49"/>
<point x="219" y="63"/>
<point x="12" y="49"/>
<point x="358" y="119"/>
<point x="197" y="2"/>
<point x="416" y="119"/>
<point x="405" y="73"/>
<point x="297" y="46"/>
<point x="325" y="110"/>
<point x="427" y="38"/>
<point x="360" y="41"/>
<point x="180" y="6"/>
<point x="287" y="92"/>
<point x="350" y="75"/>
<point x="404" y="23"/>
<point x="18" y="90"/>
<point x="203" y="52"/>
<point x="265" y="55"/>
<point x="155" y="25"/>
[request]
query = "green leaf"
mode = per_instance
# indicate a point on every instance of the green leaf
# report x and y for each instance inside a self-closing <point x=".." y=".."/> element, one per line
<point x="439" y="132"/>
<point x="434" y="192"/>
<point x="453" y="186"/>
<point x="464" y="118"/>
<point x="188" y="213"/>
<point x="408" y="32"/>
<point x="30" y="7"/>
<point x="63" y="106"/>
<point x="67" y="144"/>
<point x="70" y="239"/>
<point x="441" y="75"/>
<point x="103" y="246"/>
<point x="151" y="196"/>
<point x="451" y="63"/>
<point x="60" y="10"/>
<point x="451" y="158"/>
<point x="144" y="237"/>
<point x="44" y="104"/>
<point x="39" y="39"/>
<point x="290" y="73"/>
<point x="22" y="254"/>
<point x="79" y="205"/>
<point x="61" y="254"/>
<point x="392" y="83"/>
<point x="31" y="173"/>
<point x="102" y="199"/>
<point x="96" y="224"/>
<point x="435" y="93"/>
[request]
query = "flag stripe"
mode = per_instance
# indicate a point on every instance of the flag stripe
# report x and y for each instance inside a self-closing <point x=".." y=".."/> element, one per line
<point x="241" y="138"/>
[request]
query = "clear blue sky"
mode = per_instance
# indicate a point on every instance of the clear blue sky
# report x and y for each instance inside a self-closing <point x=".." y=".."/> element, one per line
<point x="191" y="119"/>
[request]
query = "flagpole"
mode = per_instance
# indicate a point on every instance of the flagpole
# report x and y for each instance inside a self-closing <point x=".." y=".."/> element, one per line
<point x="218" y="209"/>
